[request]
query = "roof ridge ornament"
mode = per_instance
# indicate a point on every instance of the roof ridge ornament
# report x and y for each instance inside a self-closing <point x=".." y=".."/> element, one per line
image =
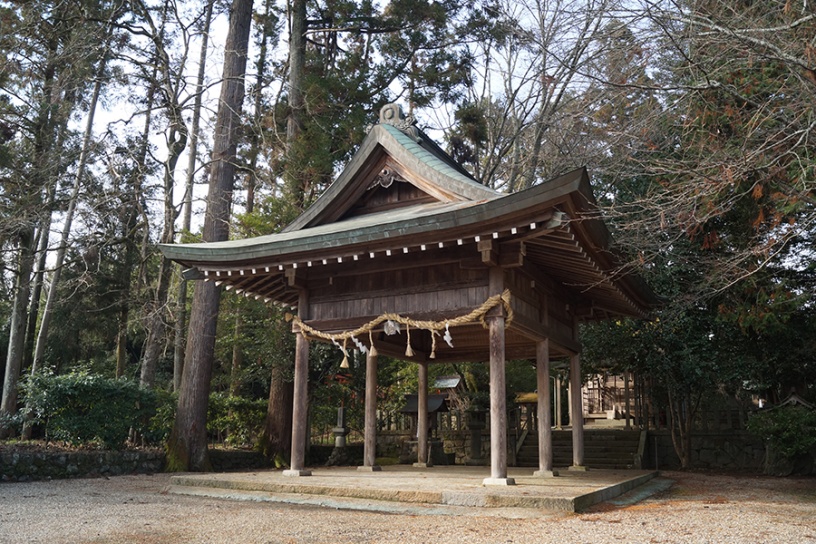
<point x="392" y="114"/>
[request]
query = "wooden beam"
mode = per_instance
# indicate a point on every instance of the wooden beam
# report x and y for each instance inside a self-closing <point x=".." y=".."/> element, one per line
<point x="296" y="277"/>
<point x="537" y="332"/>
<point x="511" y="254"/>
<point x="490" y="251"/>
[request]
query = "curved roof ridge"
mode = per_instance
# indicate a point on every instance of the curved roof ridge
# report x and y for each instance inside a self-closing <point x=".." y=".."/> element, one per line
<point x="398" y="137"/>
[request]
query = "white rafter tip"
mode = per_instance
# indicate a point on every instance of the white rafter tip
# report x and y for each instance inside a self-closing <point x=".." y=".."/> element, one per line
<point x="241" y="272"/>
<point x="207" y="279"/>
<point x="294" y="265"/>
<point x="254" y="270"/>
<point x="387" y="252"/>
<point x="477" y="238"/>
<point x="371" y="255"/>
<point x="218" y="273"/>
<point x="218" y="283"/>
<point x="266" y="269"/>
<point x="339" y="259"/>
<point x="356" y="257"/>
<point x="441" y="245"/>
<point x="422" y="247"/>
<point x="229" y="272"/>
<point x="532" y="226"/>
<point x="280" y="267"/>
<point x="325" y="261"/>
<point x="206" y="273"/>
<point x="495" y="235"/>
<point x="309" y="263"/>
<point x="514" y="230"/>
<point x="460" y="241"/>
<point x="405" y="250"/>
<point x="229" y="287"/>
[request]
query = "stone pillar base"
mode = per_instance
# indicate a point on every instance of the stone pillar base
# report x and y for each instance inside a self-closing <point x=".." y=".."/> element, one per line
<point x="423" y="465"/>
<point x="373" y="468"/>
<point x="296" y="473"/>
<point x="498" y="481"/>
<point x="578" y="468"/>
<point x="545" y="473"/>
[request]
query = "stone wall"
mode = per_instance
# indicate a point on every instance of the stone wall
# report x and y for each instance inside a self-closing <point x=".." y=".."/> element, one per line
<point x="24" y="465"/>
<point x="721" y="450"/>
<point x="20" y="466"/>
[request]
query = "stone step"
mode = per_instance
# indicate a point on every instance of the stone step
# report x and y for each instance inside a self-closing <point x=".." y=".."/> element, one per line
<point x="588" y="445"/>
<point x="611" y="449"/>
<point x="592" y="463"/>
<point x="533" y="453"/>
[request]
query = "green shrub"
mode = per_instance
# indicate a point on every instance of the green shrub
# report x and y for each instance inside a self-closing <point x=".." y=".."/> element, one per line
<point x="790" y="430"/>
<point x="82" y="408"/>
<point x="237" y="421"/>
<point x="161" y="422"/>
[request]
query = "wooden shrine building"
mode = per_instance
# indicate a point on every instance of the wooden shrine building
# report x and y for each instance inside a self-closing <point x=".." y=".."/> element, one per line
<point x="407" y="255"/>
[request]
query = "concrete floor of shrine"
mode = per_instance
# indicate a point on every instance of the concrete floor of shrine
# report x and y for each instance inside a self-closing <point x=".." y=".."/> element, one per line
<point x="399" y="488"/>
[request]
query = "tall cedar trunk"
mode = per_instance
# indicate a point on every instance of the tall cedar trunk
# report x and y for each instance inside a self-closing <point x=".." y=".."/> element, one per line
<point x="276" y="440"/>
<point x="187" y="446"/>
<point x="177" y="141"/>
<point x="37" y="280"/>
<point x="181" y="298"/>
<point x="45" y="127"/>
<point x="14" y="358"/>
<point x="295" y="191"/>
<point x="48" y="311"/>
<point x="130" y="222"/>
<point x="251" y="182"/>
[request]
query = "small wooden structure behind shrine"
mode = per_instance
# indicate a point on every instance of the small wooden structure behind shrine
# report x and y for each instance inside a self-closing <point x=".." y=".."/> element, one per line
<point x="405" y="254"/>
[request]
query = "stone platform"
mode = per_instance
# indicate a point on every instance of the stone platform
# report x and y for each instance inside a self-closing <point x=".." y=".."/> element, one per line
<point x="343" y="487"/>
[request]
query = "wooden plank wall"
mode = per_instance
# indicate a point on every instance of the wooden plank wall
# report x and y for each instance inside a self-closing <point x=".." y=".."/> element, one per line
<point x="423" y="290"/>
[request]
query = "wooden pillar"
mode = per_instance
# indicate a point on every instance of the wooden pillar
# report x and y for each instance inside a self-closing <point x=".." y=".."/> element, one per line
<point x="545" y="455"/>
<point x="577" y="412"/>
<point x="498" y="389"/>
<point x="422" y="418"/>
<point x="558" y="416"/>
<point x="626" y="393"/>
<point x="300" y="408"/>
<point x="370" y="432"/>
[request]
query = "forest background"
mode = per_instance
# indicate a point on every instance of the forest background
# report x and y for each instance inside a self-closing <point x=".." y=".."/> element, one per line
<point x="122" y="121"/>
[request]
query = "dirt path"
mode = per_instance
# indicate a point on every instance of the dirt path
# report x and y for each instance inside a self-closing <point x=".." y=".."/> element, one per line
<point x="135" y="509"/>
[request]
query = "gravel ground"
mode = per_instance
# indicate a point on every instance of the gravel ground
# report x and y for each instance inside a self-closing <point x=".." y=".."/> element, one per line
<point x="698" y="508"/>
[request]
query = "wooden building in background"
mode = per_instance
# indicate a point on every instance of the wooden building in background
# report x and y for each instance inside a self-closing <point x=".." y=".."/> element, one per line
<point x="407" y="255"/>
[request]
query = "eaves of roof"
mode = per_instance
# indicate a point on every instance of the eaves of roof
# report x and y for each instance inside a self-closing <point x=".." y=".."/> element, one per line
<point x="394" y="226"/>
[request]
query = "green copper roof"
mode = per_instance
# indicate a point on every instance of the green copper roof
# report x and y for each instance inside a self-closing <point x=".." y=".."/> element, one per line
<point x="408" y="146"/>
